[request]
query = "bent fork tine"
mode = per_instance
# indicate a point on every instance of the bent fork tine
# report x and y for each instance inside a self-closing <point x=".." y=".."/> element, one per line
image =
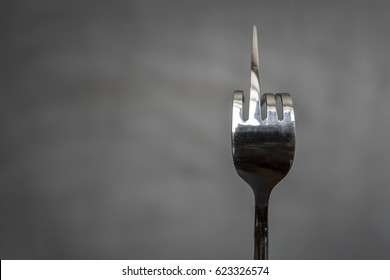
<point x="287" y="105"/>
<point x="268" y="107"/>
<point x="238" y="101"/>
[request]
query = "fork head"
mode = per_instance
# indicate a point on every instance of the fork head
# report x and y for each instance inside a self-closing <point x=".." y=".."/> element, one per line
<point x="263" y="144"/>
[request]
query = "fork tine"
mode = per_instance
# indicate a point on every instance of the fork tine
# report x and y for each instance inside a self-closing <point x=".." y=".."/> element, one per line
<point x="254" y="110"/>
<point x="287" y="105"/>
<point x="238" y="99"/>
<point x="268" y="107"/>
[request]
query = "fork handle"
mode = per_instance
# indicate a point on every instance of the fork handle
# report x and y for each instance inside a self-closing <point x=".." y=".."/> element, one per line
<point x="261" y="232"/>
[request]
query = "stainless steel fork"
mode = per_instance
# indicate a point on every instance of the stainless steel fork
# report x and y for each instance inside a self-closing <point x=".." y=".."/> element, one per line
<point x="263" y="145"/>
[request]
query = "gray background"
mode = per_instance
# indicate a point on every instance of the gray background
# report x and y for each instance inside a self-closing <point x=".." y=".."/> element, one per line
<point x="115" y="128"/>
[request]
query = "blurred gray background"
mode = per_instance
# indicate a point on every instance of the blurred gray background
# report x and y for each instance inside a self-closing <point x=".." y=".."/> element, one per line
<point x="115" y="128"/>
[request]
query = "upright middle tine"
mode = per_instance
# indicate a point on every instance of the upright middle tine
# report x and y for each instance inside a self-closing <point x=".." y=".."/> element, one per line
<point x="254" y="104"/>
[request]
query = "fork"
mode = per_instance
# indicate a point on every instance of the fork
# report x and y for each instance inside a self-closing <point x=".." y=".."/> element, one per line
<point x="263" y="145"/>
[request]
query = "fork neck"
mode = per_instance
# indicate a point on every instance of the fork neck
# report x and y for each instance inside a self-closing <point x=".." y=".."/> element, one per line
<point x="262" y="196"/>
<point x="261" y="227"/>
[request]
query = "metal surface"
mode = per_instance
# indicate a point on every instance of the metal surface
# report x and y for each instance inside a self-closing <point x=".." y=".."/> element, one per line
<point x="263" y="145"/>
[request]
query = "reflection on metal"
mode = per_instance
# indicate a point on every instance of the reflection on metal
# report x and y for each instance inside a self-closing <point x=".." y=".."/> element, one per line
<point x="263" y="145"/>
